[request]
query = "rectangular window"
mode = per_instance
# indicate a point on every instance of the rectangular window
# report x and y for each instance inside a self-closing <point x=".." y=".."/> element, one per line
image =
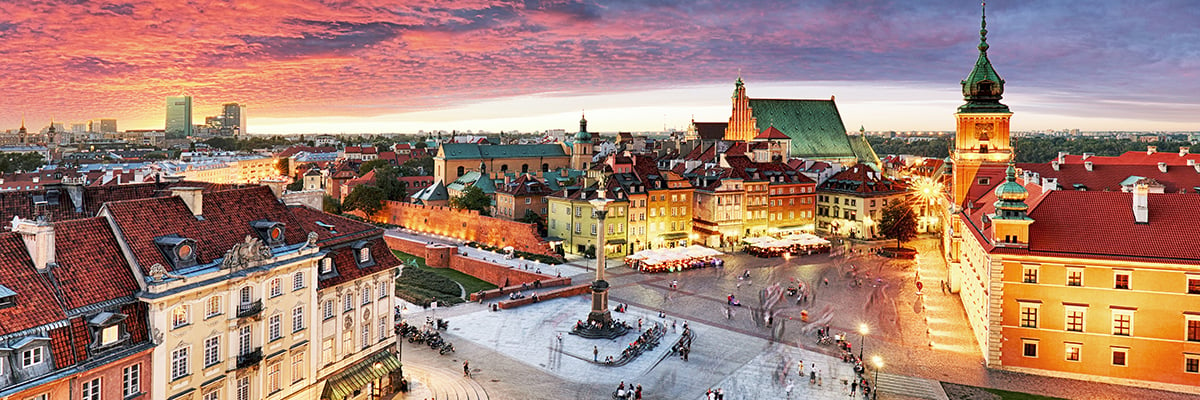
<point x="327" y="351"/>
<point x="297" y="319"/>
<point x="298" y="366"/>
<point x="243" y="388"/>
<point x="274" y="381"/>
<point x="179" y="316"/>
<point x="1029" y="274"/>
<point x="1193" y="285"/>
<point x="212" y="307"/>
<point x="212" y="394"/>
<point x="366" y="334"/>
<point x="1121" y="280"/>
<point x="1029" y="316"/>
<point x="1191" y="363"/>
<point x="1074" y="276"/>
<point x="348" y="340"/>
<point x="1075" y="320"/>
<point x="276" y="287"/>
<point x="1029" y="348"/>
<point x="274" y="327"/>
<point x="91" y="390"/>
<point x="298" y="281"/>
<point x="348" y="302"/>
<point x="328" y="309"/>
<point x="31" y="357"/>
<point x="131" y="380"/>
<point x="244" y="340"/>
<point x="1193" y="329"/>
<point x="383" y="328"/>
<point x="1119" y="356"/>
<point x="1122" y="323"/>
<point x="212" y="351"/>
<point x="1072" y="351"/>
<point x="179" y="363"/>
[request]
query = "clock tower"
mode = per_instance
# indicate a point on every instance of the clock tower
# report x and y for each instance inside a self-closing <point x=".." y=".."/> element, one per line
<point x="982" y="148"/>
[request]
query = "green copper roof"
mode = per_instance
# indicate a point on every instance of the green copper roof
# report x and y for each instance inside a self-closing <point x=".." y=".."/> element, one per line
<point x="863" y="151"/>
<point x="467" y="151"/>
<point x="983" y="88"/>
<point x="815" y="126"/>
<point x="1010" y="203"/>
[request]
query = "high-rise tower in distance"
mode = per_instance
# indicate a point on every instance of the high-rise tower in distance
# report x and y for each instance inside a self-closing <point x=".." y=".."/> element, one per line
<point x="179" y="116"/>
<point x="234" y="117"/>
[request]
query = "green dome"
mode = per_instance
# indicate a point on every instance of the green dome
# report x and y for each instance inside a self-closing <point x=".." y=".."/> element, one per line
<point x="1010" y="189"/>
<point x="583" y="136"/>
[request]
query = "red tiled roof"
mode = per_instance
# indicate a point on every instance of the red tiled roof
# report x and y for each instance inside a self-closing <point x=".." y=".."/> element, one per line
<point x="343" y="229"/>
<point x="524" y="185"/>
<point x="35" y="302"/>
<point x="1136" y="158"/>
<point x="856" y="179"/>
<point x="227" y="217"/>
<point x="291" y="151"/>
<point x="20" y="203"/>
<point x="1102" y="223"/>
<point x="771" y="133"/>
<point x="711" y="130"/>
<point x="347" y="266"/>
<point x="1109" y="176"/>
<point x="87" y="254"/>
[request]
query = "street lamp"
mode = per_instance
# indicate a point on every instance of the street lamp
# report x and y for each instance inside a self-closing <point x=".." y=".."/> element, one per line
<point x="878" y="361"/>
<point x="862" y="332"/>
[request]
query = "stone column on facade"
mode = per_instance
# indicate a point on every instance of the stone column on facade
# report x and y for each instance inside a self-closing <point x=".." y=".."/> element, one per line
<point x="600" y="311"/>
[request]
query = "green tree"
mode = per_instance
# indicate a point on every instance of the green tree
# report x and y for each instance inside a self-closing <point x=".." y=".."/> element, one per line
<point x="422" y="166"/>
<point x="386" y="180"/>
<point x="374" y="164"/>
<point x="531" y="217"/>
<point x="420" y="145"/>
<point x="296" y="185"/>
<point x="472" y="198"/>
<point x="366" y="198"/>
<point x="13" y="162"/>
<point x="897" y="221"/>
<point x="331" y="205"/>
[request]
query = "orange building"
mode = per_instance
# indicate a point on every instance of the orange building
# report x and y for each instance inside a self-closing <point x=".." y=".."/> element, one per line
<point x="516" y="197"/>
<point x="1098" y="284"/>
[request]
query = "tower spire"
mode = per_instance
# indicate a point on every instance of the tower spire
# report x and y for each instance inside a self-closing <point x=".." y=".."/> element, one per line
<point x="983" y="46"/>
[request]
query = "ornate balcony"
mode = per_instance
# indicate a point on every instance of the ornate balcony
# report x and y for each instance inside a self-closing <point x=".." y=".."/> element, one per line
<point x="250" y="309"/>
<point x="250" y="359"/>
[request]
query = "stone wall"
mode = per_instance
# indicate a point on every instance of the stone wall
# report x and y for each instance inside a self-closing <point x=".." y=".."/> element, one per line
<point x="547" y="295"/>
<point x="464" y="225"/>
<point x="436" y="254"/>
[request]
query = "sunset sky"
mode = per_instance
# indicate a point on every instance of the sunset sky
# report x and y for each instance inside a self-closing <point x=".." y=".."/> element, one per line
<point x="400" y="66"/>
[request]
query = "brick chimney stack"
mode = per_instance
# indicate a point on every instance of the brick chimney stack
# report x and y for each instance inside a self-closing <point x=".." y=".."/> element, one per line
<point x="193" y="197"/>
<point x="39" y="240"/>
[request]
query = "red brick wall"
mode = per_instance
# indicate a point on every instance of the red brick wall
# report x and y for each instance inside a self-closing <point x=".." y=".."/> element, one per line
<point x="495" y="274"/>
<point x="404" y="245"/>
<point x="500" y="292"/>
<point x="438" y="256"/>
<point x="552" y="294"/>
<point x="464" y="225"/>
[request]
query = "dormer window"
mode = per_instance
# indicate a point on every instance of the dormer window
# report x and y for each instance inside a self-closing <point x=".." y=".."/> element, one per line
<point x="326" y="266"/>
<point x="270" y="232"/>
<point x="107" y="329"/>
<point x="178" y="250"/>
<point x="8" y="298"/>
<point x="362" y="254"/>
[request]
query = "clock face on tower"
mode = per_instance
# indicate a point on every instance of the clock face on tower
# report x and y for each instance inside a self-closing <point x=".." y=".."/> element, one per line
<point x="983" y="131"/>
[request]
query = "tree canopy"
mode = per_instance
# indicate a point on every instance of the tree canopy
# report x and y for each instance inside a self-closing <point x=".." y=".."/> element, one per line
<point x="472" y="198"/>
<point x="366" y="198"/>
<point x="897" y="221"/>
<point x="13" y="162"/>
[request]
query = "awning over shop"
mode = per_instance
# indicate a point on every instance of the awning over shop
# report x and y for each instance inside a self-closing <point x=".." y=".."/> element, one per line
<point x="344" y="383"/>
<point x="674" y="236"/>
<point x="615" y="241"/>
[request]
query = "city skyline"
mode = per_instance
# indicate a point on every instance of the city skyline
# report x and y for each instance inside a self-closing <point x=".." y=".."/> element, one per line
<point x="633" y="65"/>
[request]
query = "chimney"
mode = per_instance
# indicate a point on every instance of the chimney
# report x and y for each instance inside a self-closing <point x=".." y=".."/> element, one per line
<point x="1151" y="150"/>
<point x="1054" y="164"/>
<point x="39" y="240"/>
<point x="1049" y="184"/>
<point x="1191" y="162"/>
<point x="507" y="180"/>
<point x="1088" y="155"/>
<point x="1162" y="167"/>
<point x="36" y="179"/>
<point x="1141" y="207"/>
<point x="1087" y="165"/>
<point x="1062" y="157"/>
<point x="1183" y="150"/>
<point x="193" y="197"/>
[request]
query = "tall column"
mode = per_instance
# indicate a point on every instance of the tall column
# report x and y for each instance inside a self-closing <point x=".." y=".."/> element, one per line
<point x="600" y="311"/>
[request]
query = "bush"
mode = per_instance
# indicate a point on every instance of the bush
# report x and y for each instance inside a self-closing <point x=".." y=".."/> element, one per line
<point x="542" y="258"/>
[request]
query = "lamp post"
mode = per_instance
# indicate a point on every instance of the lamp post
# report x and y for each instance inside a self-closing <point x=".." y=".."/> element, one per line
<point x="862" y="332"/>
<point x="878" y="361"/>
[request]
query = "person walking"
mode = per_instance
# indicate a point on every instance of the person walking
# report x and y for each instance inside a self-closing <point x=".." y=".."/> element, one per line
<point x="595" y="354"/>
<point x="853" y="387"/>
<point x="466" y="368"/>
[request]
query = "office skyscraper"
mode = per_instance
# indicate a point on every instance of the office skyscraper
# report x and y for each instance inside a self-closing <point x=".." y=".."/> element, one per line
<point x="234" y="117"/>
<point x="179" y="116"/>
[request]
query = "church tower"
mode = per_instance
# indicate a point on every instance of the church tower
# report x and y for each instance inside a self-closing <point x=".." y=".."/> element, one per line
<point x="581" y="149"/>
<point x="742" y="124"/>
<point x="981" y="147"/>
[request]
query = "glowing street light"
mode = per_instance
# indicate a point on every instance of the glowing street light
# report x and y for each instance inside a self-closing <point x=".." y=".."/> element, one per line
<point x="862" y="332"/>
<point x="878" y="361"/>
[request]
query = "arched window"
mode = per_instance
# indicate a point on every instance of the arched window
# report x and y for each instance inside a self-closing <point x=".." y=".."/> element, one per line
<point x="503" y="167"/>
<point x="524" y="168"/>
<point x="460" y="171"/>
<point x="246" y="295"/>
<point x="545" y="167"/>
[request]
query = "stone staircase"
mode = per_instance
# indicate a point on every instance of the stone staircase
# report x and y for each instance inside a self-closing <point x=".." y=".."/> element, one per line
<point x="910" y="386"/>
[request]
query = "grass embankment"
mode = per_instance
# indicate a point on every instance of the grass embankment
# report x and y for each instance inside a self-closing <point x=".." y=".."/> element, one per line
<point x="422" y="284"/>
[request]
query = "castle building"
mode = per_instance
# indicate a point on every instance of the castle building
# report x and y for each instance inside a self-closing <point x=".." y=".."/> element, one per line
<point x="1099" y="281"/>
